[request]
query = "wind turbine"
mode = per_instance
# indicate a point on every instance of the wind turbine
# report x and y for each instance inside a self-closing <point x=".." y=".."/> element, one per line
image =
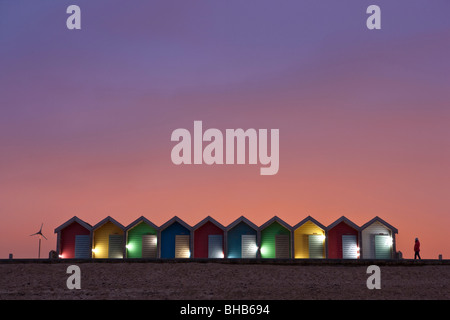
<point x="39" y="233"/>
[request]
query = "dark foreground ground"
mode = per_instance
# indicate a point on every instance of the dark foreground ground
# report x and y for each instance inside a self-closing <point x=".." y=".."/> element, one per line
<point x="222" y="281"/>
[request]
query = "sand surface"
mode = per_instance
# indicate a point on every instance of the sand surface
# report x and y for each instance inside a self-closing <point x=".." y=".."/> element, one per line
<point x="205" y="281"/>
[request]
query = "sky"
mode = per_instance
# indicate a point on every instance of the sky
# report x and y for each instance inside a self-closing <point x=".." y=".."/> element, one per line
<point x="86" y="116"/>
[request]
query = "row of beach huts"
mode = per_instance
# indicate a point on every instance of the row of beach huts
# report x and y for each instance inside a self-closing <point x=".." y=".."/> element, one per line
<point x="275" y="239"/>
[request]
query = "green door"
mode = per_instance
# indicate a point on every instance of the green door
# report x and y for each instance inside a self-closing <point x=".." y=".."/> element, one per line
<point x="382" y="246"/>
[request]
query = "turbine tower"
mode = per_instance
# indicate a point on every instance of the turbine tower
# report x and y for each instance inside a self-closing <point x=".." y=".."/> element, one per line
<point x="39" y="233"/>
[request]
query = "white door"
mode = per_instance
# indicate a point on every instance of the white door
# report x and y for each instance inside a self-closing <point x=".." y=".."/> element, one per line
<point x="215" y="249"/>
<point x="249" y="248"/>
<point x="315" y="246"/>
<point x="349" y="247"/>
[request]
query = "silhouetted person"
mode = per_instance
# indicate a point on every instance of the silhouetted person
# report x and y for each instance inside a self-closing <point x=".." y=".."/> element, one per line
<point x="417" y="249"/>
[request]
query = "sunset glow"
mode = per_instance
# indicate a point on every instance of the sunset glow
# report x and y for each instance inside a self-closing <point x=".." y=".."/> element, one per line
<point x="86" y="116"/>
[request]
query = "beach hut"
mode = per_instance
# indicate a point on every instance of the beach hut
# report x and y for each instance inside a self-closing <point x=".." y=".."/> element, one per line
<point x="208" y="237"/>
<point x="175" y="239"/>
<point x="378" y="239"/>
<point x="309" y="239"/>
<point x="275" y="239"/>
<point x="343" y="239"/>
<point x="74" y="239"/>
<point x="142" y="239"/>
<point x="242" y="239"/>
<point x="108" y="239"/>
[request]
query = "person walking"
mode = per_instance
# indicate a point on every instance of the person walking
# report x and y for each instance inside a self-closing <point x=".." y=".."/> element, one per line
<point x="417" y="249"/>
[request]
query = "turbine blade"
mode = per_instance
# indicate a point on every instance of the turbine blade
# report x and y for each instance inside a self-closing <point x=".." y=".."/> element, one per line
<point x="44" y="237"/>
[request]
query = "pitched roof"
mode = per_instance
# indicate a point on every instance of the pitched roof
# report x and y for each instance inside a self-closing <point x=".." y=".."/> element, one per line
<point x="173" y="220"/>
<point x="239" y="220"/>
<point x="108" y="219"/>
<point x="210" y="219"/>
<point x="309" y="218"/>
<point x="381" y="221"/>
<point x="138" y="221"/>
<point x="275" y="219"/>
<point x="345" y="220"/>
<point x="72" y="220"/>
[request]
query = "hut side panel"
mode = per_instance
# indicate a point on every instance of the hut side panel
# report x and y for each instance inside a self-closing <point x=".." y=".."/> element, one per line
<point x="101" y="239"/>
<point x="168" y="239"/>
<point x="136" y="239"/>
<point x="68" y="239"/>
<point x="201" y="239"/>
<point x="302" y="240"/>
<point x="268" y="239"/>
<point x="335" y="250"/>
<point x="368" y="240"/>
<point x="234" y="237"/>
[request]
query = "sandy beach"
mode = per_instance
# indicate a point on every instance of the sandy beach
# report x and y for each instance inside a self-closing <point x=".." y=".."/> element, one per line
<point x="221" y="281"/>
